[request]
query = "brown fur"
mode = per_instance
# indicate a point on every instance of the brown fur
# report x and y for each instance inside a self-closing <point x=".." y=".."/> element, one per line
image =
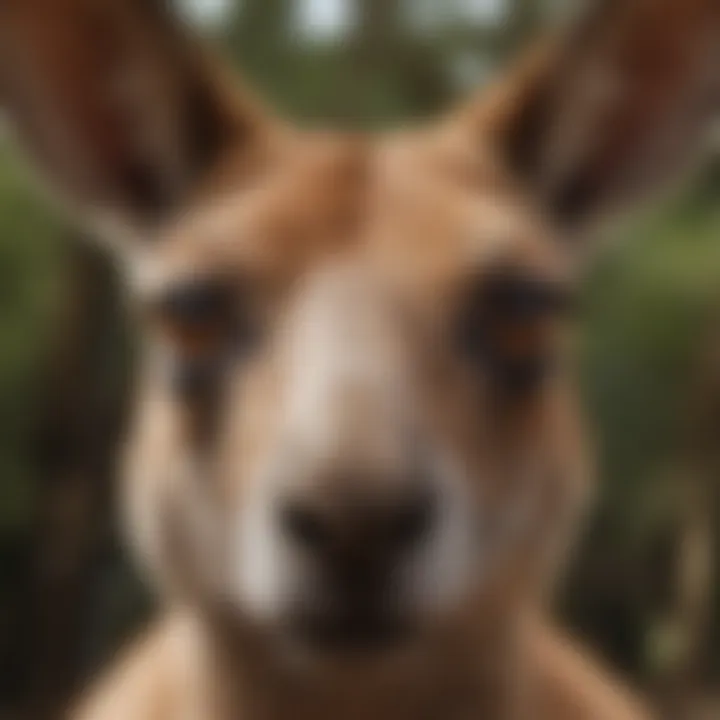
<point x="395" y="235"/>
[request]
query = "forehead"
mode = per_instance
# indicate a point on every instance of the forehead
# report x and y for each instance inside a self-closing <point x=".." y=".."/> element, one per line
<point x="408" y="209"/>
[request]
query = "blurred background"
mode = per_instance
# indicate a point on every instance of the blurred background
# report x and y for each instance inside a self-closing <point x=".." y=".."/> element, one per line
<point x="644" y="587"/>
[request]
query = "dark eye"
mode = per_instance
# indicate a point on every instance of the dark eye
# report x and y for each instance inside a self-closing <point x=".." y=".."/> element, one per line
<point x="508" y="323"/>
<point x="208" y="324"/>
<point x="520" y="298"/>
<point x="196" y="303"/>
<point x="207" y="313"/>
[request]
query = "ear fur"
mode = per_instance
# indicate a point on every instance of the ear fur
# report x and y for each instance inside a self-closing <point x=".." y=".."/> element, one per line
<point x="610" y="110"/>
<point x="121" y="111"/>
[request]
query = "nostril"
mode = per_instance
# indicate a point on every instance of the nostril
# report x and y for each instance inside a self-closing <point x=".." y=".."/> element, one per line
<point x="304" y="526"/>
<point x="412" y="521"/>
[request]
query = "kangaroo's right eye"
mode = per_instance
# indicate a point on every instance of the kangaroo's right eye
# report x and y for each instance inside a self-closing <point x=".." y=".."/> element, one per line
<point x="196" y="305"/>
<point x="205" y="318"/>
<point x="208" y="325"/>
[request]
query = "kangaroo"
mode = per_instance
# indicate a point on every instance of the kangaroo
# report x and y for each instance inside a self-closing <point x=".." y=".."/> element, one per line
<point x="358" y="459"/>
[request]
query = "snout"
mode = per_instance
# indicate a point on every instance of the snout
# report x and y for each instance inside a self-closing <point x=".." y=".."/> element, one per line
<point x="348" y="562"/>
<point x="354" y="520"/>
<point x="357" y="550"/>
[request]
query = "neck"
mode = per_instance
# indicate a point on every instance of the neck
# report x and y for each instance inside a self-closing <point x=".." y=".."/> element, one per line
<point x="461" y="675"/>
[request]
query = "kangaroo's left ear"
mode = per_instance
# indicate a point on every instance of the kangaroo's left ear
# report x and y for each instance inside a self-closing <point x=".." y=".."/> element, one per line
<point x="615" y="108"/>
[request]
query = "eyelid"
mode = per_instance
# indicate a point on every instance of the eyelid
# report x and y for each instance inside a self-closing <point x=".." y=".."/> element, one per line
<point x="208" y="321"/>
<point x="513" y="296"/>
<point x="196" y="301"/>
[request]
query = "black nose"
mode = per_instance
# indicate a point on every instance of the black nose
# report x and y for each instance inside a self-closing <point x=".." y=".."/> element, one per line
<point x="356" y="547"/>
<point x="363" y="533"/>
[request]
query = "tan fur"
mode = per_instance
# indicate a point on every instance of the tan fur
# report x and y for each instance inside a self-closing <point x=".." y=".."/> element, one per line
<point x="558" y="681"/>
<point x="357" y="258"/>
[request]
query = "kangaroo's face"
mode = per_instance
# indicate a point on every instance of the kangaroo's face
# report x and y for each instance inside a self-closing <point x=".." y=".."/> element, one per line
<point x="354" y="378"/>
<point x="355" y="428"/>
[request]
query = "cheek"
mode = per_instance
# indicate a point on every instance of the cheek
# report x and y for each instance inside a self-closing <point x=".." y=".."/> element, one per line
<point x="147" y="478"/>
<point x="258" y="572"/>
<point x="251" y="422"/>
<point x="173" y="522"/>
<point x="500" y="479"/>
<point x="182" y="506"/>
<point x="449" y="565"/>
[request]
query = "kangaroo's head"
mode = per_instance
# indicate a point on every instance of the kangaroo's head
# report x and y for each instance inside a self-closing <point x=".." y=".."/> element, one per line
<point x="355" y="427"/>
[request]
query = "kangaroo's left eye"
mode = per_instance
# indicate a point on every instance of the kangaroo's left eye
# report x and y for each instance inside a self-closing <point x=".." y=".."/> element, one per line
<point x="508" y="324"/>
<point x="524" y="298"/>
<point x="202" y="314"/>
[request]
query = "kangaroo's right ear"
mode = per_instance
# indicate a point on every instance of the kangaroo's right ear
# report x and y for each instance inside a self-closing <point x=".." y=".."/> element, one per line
<point x="121" y="111"/>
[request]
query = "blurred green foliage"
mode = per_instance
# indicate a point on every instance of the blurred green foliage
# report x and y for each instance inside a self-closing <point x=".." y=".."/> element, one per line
<point x="650" y="318"/>
<point x="31" y="277"/>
